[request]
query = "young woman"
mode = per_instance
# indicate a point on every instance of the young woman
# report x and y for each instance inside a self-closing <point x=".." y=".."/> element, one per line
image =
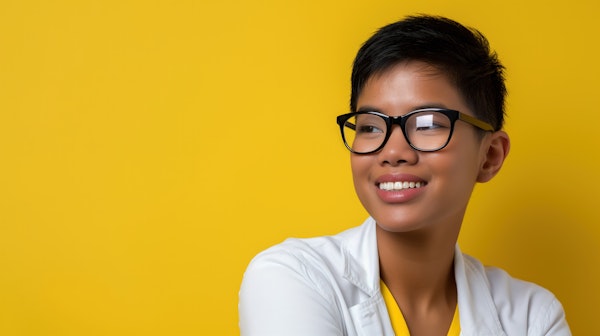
<point x="426" y="125"/>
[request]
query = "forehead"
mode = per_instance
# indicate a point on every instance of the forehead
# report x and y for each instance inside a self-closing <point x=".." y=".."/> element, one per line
<point x="410" y="85"/>
<point x="414" y="68"/>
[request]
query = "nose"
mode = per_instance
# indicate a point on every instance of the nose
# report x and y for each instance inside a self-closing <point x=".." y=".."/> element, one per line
<point x="397" y="150"/>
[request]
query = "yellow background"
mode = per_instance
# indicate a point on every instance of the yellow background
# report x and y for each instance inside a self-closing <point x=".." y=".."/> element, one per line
<point x="150" y="148"/>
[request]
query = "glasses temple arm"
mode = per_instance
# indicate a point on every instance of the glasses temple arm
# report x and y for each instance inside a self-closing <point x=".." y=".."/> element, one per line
<point x="476" y="122"/>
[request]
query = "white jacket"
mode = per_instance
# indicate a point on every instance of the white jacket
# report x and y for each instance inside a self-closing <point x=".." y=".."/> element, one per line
<point x="330" y="286"/>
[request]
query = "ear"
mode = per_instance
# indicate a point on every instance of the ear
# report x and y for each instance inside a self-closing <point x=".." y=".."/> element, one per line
<point x="496" y="148"/>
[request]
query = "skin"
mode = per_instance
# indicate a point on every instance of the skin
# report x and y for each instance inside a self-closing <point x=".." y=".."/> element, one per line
<point x="417" y="229"/>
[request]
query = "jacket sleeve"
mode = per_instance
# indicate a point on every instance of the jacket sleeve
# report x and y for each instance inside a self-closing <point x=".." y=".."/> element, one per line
<point x="552" y="321"/>
<point x="545" y="314"/>
<point x="281" y="295"/>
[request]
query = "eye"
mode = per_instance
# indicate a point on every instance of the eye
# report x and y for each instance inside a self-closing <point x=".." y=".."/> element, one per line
<point x="431" y="122"/>
<point x="368" y="129"/>
<point x="430" y="127"/>
<point x="369" y="124"/>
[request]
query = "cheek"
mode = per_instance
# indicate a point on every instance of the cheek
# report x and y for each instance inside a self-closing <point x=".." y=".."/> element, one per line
<point x="459" y="171"/>
<point x="360" y="172"/>
<point x="464" y="162"/>
<point x="359" y="165"/>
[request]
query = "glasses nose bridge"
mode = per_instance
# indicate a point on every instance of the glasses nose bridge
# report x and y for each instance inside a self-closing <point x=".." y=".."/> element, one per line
<point x="399" y="120"/>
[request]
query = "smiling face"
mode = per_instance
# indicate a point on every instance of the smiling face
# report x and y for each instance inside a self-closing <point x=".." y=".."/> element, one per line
<point x="406" y="190"/>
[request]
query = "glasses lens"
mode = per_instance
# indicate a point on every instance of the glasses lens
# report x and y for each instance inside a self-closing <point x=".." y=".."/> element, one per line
<point x="428" y="130"/>
<point x="364" y="132"/>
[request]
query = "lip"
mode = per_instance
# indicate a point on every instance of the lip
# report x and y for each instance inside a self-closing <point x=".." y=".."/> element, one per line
<point x="399" y="196"/>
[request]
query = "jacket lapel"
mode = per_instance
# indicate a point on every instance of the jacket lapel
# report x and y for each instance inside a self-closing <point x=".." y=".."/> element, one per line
<point x="361" y="268"/>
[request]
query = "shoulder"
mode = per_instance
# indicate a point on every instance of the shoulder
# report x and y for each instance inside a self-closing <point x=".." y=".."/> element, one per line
<point x="297" y="285"/>
<point x="298" y="255"/>
<point x="520" y="305"/>
<point x="503" y="286"/>
<point x="306" y="256"/>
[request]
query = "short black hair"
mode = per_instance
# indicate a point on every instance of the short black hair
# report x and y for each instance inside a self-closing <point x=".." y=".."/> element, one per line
<point x="461" y="53"/>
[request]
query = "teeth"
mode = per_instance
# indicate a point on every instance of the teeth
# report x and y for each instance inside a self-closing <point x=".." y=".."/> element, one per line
<point x="399" y="185"/>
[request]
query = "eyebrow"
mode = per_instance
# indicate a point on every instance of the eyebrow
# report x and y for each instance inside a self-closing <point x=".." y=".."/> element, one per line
<point x="368" y="108"/>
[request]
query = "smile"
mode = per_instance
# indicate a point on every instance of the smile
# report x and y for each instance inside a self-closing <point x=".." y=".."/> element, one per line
<point x="399" y="185"/>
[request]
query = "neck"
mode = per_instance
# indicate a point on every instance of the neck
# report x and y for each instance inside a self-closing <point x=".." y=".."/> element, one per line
<point x="418" y="267"/>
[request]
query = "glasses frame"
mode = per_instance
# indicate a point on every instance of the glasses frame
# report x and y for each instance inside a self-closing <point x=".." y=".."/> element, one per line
<point x="390" y="121"/>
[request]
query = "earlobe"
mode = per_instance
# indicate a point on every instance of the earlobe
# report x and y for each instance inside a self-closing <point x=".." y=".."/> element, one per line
<point x="498" y="146"/>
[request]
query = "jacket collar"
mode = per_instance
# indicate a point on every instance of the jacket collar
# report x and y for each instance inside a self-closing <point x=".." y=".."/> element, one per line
<point x="361" y="258"/>
<point x="478" y="313"/>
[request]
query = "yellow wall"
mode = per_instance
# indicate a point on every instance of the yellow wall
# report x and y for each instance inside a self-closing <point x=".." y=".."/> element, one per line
<point x="150" y="148"/>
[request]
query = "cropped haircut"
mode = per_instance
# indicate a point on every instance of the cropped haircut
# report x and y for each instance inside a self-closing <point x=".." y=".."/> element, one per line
<point x="462" y="54"/>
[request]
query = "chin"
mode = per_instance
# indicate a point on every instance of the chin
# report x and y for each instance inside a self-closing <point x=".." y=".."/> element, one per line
<point x="398" y="225"/>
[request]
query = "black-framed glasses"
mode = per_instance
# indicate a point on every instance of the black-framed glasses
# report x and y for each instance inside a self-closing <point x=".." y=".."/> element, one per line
<point x="426" y="130"/>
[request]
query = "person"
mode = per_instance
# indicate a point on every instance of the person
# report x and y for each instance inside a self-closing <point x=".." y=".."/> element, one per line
<point x="426" y="125"/>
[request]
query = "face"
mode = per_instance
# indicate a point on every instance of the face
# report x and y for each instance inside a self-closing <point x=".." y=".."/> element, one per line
<point x="436" y="185"/>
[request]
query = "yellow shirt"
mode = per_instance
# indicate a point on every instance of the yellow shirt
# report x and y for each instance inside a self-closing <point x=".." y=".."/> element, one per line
<point x="398" y="323"/>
